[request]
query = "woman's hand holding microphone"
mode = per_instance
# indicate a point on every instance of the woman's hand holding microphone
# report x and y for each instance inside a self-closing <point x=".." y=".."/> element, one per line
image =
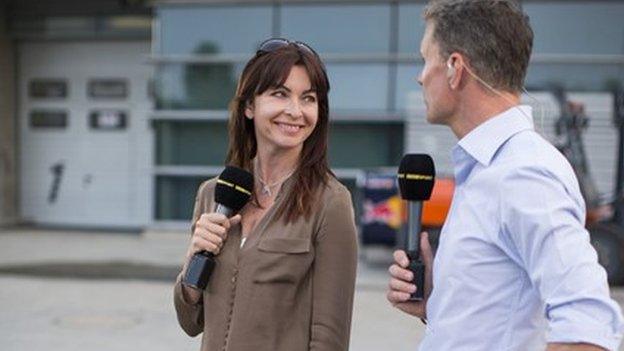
<point x="211" y="230"/>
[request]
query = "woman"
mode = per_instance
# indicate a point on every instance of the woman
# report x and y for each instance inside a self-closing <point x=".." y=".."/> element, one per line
<point x="285" y="266"/>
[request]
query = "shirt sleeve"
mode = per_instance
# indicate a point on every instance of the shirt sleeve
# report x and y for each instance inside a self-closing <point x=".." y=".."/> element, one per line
<point x="190" y="316"/>
<point x="543" y="222"/>
<point x="333" y="277"/>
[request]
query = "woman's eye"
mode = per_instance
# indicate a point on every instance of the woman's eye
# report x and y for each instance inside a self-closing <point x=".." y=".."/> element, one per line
<point x="310" y="98"/>
<point x="279" y="93"/>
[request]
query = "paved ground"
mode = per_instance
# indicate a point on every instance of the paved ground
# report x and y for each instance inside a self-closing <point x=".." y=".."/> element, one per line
<point x="47" y="303"/>
<point x="56" y="294"/>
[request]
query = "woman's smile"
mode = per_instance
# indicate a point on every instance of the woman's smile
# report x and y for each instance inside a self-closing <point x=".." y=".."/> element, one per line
<point x="289" y="128"/>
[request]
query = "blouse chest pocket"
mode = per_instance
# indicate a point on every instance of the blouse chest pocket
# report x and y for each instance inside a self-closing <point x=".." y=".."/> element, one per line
<point x="282" y="260"/>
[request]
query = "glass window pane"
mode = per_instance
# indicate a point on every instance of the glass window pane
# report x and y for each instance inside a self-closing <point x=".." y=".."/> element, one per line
<point x="47" y="88"/>
<point x="411" y="27"/>
<point x="338" y="28"/>
<point x="107" y="88"/>
<point x="589" y="27"/>
<point x="382" y="143"/>
<point x="574" y="76"/>
<point x="196" y="86"/>
<point x="56" y="119"/>
<point x="358" y="87"/>
<point x="108" y="120"/>
<point x="192" y="29"/>
<point x="407" y="82"/>
<point x="191" y="143"/>
<point x="175" y="197"/>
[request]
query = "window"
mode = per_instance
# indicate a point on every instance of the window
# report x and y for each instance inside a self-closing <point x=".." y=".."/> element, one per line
<point x="108" y="88"/>
<point x="175" y="197"/>
<point x="407" y="82"/>
<point x="213" y="29"/>
<point x="196" y="86"/>
<point x="365" y="145"/>
<point x="47" y="88"/>
<point x="411" y="27"/>
<point x="191" y="143"/>
<point x="56" y="119"/>
<point x="594" y="27"/>
<point x="338" y="28"/>
<point x="362" y="87"/>
<point x="108" y="120"/>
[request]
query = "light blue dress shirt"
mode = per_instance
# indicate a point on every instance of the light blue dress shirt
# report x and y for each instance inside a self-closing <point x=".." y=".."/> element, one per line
<point x="514" y="268"/>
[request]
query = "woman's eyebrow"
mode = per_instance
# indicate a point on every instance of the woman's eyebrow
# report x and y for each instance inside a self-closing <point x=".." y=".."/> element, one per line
<point x="282" y="86"/>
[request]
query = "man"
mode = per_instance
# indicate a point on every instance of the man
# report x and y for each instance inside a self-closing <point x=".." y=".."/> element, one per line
<point x="514" y="270"/>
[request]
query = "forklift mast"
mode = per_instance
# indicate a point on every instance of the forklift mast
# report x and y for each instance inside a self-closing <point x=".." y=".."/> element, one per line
<point x="569" y="128"/>
<point x="618" y="120"/>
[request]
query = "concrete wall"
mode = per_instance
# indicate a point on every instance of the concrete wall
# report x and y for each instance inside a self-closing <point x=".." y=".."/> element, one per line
<point x="8" y="137"/>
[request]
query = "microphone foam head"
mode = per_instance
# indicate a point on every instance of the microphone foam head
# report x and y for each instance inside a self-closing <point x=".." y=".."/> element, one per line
<point x="234" y="188"/>
<point x="416" y="177"/>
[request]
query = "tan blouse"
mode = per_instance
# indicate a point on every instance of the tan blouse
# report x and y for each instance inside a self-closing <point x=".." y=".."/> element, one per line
<point x="288" y="288"/>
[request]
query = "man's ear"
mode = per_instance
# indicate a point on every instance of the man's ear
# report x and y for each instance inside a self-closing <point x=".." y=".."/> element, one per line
<point x="455" y="67"/>
<point x="450" y="70"/>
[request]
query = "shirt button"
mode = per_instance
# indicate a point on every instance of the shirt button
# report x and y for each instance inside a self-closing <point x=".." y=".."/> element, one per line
<point x="234" y="279"/>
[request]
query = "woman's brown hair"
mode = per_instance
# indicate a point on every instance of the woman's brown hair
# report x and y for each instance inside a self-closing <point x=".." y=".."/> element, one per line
<point x="269" y="70"/>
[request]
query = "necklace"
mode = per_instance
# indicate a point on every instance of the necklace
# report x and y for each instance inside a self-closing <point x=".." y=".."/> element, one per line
<point x="266" y="188"/>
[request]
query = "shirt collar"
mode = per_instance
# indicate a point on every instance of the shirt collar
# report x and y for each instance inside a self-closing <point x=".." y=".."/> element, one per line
<point x="483" y="141"/>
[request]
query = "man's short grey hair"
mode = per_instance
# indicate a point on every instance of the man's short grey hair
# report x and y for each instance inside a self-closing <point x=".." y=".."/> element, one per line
<point x="494" y="35"/>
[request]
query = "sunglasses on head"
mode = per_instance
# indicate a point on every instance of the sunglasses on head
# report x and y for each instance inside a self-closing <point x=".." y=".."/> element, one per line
<point x="273" y="44"/>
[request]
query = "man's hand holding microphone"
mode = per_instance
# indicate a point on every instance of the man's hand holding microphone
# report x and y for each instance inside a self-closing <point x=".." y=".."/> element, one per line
<point x="411" y="274"/>
<point x="401" y="287"/>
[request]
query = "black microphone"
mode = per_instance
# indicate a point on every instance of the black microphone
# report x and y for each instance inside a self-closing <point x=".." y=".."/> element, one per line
<point x="416" y="179"/>
<point x="233" y="190"/>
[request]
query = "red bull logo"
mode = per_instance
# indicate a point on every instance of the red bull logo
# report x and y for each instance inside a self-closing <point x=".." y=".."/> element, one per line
<point x="388" y="212"/>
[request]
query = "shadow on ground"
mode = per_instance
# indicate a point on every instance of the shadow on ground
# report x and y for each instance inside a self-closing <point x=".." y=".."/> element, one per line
<point x="95" y="270"/>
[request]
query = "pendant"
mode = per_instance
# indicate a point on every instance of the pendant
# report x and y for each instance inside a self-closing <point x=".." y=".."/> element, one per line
<point x="266" y="190"/>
